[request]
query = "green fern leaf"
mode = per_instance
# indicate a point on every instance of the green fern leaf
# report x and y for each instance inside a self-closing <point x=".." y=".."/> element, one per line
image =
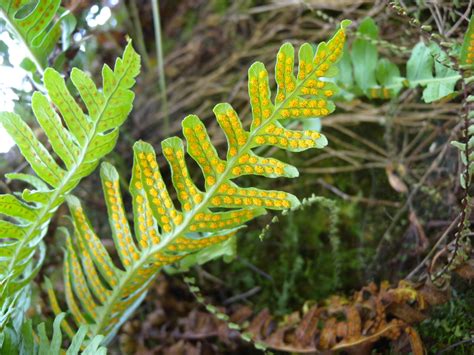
<point x="376" y="78"/>
<point x="38" y="29"/>
<point x="38" y="343"/>
<point x="98" y="290"/>
<point x="79" y="145"/>
<point x="425" y="68"/>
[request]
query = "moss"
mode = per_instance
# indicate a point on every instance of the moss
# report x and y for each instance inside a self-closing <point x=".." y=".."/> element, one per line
<point x="450" y="324"/>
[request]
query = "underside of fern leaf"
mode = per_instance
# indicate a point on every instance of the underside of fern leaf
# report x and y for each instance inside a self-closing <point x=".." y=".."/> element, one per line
<point x="102" y="294"/>
<point x="79" y="145"/>
<point x="39" y="29"/>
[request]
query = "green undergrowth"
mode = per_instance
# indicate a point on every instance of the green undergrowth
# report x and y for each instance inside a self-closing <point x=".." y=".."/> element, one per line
<point x="450" y="325"/>
<point x="296" y="261"/>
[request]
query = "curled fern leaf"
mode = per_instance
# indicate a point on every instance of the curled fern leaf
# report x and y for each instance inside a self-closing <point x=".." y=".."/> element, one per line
<point x="39" y="29"/>
<point x="80" y="144"/>
<point x="97" y="289"/>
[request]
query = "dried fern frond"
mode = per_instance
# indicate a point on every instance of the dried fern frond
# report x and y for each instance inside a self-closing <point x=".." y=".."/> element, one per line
<point x="102" y="294"/>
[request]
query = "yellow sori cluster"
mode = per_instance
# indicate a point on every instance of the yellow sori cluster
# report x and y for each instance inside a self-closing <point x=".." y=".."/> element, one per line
<point x="305" y="108"/>
<point x="304" y="69"/>
<point x="162" y="259"/>
<point x="200" y="147"/>
<point x="330" y="54"/>
<point x="284" y="75"/>
<point x="251" y="164"/>
<point x="259" y="93"/>
<point x="188" y="194"/>
<point x="286" y="138"/>
<point x="147" y="231"/>
<point x="146" y="226"/>
<point x="184" y="244"/>
<point x="219" y="221"/>
<point x="126" y="245"/>
<point x="122" y="306"/>
<point x="57" y="309"/>
<point x="95" y="247"/>
<point x="101" y="292"/>
<point x="470" y="50"/>
<point x="142" y="274"/>
<point x="81" y="288"/>
<point x="140" y="277"/>
<point x="70" y="299"/>
<point x="382" y="92"/>
<point x="233" y="130"/>
<point x="325" y="56"/>
<point x="311" y="88"/>
<point x="157" y="189"/>
<point x="232" y="195"/>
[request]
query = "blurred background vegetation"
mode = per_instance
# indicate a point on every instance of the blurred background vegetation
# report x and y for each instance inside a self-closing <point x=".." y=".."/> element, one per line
<point x="389" y="175"/>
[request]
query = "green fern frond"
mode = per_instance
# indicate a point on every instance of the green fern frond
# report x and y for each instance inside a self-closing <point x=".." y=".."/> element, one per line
<point x="98" y="290"/>
<point x="80" y="144"/>
<point x="38" y="343"/>
<point x="39" y="29"/>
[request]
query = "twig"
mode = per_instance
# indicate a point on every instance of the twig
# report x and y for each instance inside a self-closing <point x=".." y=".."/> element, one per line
<point x="464" y="17"/>
<point x="139" y="38"/>
<point x="357" y="199"/>
<point x="471" y="340"/>
<point x="387" y="235"/>
<point x="256" y="269"/>
<point x="242" y="296"/>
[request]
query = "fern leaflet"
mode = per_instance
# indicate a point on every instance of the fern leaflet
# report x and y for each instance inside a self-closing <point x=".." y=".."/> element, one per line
<point x="37" y="29"/>
<point x="32" y="343"/>
<point x="96" y="289"/>
<point x="467" y="49"/>
<point x="80" y="145"/>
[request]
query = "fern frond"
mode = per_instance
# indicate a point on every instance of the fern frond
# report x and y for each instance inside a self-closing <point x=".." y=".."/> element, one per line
<point x="39" y="30"/>
<point x="98" y="290"/>
<point x="37" y="343"/>
<point x="80" y="144"/>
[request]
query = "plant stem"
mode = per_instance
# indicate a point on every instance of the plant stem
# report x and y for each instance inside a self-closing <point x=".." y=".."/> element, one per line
<point x="161" y="68"/>
<point x="139" y="33"/>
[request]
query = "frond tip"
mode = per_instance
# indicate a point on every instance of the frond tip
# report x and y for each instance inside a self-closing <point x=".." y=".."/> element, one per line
<point x="166" y="231"/>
